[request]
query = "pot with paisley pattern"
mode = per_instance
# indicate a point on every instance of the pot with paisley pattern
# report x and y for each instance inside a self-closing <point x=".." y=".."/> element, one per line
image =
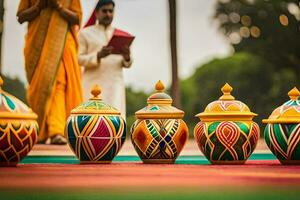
<point x="226" y="133"/>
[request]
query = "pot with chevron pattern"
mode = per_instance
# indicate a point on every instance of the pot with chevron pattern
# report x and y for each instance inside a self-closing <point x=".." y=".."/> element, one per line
<point x="95" y="131"/>
<point x="282" y="132"/>
<point x="159" y="133"/>
<point x="18" y="129"/>
<point x="226" y="133"/>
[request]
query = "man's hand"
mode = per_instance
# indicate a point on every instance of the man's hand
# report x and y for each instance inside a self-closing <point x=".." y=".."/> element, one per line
<point x="126" y="53"/>
<point x="105" y="51"/>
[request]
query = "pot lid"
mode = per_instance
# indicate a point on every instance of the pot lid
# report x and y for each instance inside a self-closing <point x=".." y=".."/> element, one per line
<point x="95" y="105"/>
<point x="12" y="108"/>
<point x="289" y="112"/>
<point x="226" y="108"/>
<point x="159" y="106"/>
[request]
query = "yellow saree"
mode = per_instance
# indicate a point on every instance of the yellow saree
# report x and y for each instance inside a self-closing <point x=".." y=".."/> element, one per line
<point x="51" y="67"/>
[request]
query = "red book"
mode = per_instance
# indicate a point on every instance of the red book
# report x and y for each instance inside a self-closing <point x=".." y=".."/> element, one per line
<point x="119" y="40"/>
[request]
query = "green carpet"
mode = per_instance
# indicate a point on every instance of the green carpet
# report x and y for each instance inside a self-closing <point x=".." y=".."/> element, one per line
<point x="201" y="160"/>
<point x="152" y="195"/>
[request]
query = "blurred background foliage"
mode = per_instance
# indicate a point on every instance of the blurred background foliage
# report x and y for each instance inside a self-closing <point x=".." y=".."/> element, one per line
<point x="267" y="28"/>
<point x="254" y="80"/>
<point x="264" y="66"/>
<point x="14" y="86"/>
<point x="265" y="63"/>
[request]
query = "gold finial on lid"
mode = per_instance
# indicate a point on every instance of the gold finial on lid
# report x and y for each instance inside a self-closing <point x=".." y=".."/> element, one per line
<point x="159" y="86"/>
<point x="294" y="93"/>
<point x="96" y="91"/>
<point x="227" y="89"/>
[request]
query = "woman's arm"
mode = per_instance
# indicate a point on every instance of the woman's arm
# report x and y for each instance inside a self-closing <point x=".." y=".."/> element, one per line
<point x="69" y="15"/>
<point x="31" y="13"/>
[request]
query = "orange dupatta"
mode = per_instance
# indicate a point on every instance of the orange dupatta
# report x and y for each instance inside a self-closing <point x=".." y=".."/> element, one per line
<point x="44" y="49"/>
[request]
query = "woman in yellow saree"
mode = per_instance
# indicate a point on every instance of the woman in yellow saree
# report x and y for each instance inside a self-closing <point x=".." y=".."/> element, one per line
<point x="51" y="64"/>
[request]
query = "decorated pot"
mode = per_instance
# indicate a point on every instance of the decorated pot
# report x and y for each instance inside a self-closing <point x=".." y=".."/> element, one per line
<point x="95" y="130"/>
<point x="282" y="133"/>
<point x="159" y="133"/>
<point x="18" y="129"/>
<point x="226" y="133"/>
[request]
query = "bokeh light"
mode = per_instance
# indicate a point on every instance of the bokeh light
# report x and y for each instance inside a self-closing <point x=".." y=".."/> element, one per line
<point x="294" y="10"/>
<point x="235" y="38"/>
<point x="244" y="32"/>
<point x="246" y="20"/>
<point x="223" y="18"/>
<point x="255" y="31"/>
<point x="284" y="20"/>
<point x="234" y="17"/>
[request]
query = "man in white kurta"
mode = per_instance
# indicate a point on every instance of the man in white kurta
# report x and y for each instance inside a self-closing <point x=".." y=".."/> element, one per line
<point x="100" y="66"/>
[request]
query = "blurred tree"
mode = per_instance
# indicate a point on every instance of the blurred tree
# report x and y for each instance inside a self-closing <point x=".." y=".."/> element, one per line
<point x="135" y="100"/>
<point x="1" y="30"/>
<point x="175" y="90"/>
<point x="268" y="28"/>
<point x="253" y="79"/>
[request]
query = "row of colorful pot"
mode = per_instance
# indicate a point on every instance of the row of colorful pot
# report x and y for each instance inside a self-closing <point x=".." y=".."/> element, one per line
<point x="96" y="131"/>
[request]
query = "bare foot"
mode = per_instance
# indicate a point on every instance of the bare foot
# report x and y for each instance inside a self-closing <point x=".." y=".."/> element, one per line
<point x="58" y="140"/>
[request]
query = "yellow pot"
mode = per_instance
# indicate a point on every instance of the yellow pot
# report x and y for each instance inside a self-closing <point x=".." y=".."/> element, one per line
<point x="226" y="133"/>
<point x="282" y="132"/>
<point x="18" y="129"/>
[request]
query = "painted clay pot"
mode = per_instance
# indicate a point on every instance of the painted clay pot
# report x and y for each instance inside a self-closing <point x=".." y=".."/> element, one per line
<point x="282" y="132"/>
<point x="159" y="133"/>
<point x="18" y="129"/>
<point x="226" y="133"/>
<point x="95" y="131"/>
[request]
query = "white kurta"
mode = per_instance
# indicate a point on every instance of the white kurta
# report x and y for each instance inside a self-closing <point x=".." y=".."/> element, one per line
<point x="108" y="72"/>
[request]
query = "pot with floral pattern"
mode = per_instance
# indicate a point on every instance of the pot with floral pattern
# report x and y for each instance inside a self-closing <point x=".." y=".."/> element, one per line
<point x="226" y="133"/>
<point x="18" y="129"/>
